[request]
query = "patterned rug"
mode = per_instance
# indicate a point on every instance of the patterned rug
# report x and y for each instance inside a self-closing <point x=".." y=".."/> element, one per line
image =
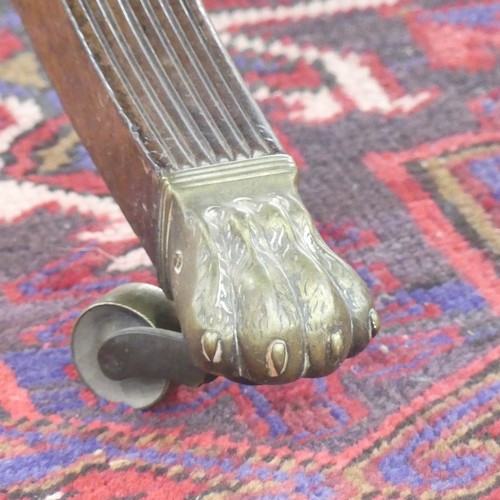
<point x="392" y="110"/>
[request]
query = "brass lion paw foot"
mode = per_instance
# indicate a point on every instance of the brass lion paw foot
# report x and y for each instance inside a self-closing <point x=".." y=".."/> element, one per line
<point x="248" y="290"/>
<point x="260" y="297"/>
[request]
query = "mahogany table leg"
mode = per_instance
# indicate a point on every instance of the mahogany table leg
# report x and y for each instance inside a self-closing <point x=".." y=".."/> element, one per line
<point x="203" y="181"/>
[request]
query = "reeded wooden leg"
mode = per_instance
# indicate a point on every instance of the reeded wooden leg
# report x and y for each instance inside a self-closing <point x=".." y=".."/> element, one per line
<point x="205" y="184"/>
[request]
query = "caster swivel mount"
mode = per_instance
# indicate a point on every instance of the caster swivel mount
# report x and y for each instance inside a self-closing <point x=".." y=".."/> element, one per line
<point x="205" y="184"/>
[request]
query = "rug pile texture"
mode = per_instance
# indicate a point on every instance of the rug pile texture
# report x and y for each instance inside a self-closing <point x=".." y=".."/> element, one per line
<point x="391" y="109"/>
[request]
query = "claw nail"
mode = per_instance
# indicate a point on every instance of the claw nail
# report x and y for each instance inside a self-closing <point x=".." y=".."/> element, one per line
<point x="211" y="347"/>
<point x="374" y="323"/>
<point x="336" y="344"/>
<point x="276" y="358"/>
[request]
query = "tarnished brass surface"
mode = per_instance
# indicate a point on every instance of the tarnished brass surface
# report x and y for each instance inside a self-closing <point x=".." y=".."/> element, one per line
<point x="205" y="184"/>
<point x="259" y="295"/>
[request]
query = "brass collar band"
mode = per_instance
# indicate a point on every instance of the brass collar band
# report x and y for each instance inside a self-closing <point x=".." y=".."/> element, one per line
<point x="232" y="171"/>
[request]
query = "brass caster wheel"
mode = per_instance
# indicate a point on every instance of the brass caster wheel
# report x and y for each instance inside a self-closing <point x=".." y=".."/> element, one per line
<point x="128" y="348"/>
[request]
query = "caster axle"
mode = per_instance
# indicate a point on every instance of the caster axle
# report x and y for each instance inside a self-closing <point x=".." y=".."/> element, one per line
<point x="150" y="353"/>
